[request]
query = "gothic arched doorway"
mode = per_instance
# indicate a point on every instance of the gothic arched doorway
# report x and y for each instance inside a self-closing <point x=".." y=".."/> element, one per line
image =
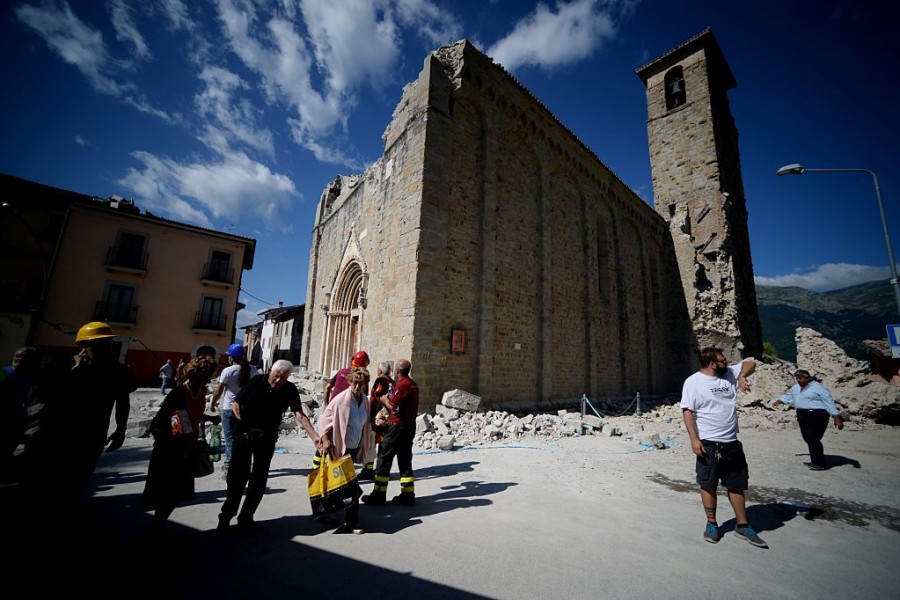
<point x="344" y="319"/>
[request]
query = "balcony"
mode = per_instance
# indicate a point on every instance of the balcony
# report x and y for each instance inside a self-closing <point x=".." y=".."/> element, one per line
<point x="115" y="313"/>
<point x="126" y="260"/>
<point x="218" y="274"/>
<point x="210" y="321"/>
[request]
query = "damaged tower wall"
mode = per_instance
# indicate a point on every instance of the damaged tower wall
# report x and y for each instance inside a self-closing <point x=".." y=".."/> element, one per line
<point x="487" y="216"/>
<point x="698" y="188"/>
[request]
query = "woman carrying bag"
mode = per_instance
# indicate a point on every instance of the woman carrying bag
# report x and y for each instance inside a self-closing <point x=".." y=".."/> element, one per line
<point x="345" y="428"/>
<point x="175" y="430"/>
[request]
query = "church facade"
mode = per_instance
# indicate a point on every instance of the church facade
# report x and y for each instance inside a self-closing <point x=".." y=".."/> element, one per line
<point x="497" y="252"/>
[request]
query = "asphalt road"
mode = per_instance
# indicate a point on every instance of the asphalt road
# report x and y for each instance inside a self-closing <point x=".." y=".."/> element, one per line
<point x="580" y="518"/>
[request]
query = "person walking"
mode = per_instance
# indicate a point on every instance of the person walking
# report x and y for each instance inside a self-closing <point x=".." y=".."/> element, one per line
<point x="337" y="384"/>
<point x="17" y="387"/>
<point x="166" y="375"/>
<point x="813" y="403"/>
<point x="381" y="390"/>
<point x="231" y="381"/>
<point x="398" y="440"/>
<point x="709" y="408"/>
<point x="72" y="429"/>
<point x="258" y="409"/>
<point x="345" y="428"/>
<point x="175" y="430"/>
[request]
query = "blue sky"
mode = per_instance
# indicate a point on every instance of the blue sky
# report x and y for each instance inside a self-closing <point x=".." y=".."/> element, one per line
<point x="235" y="114"/>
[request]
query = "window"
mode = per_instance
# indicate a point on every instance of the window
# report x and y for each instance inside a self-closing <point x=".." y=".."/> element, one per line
<point x="219" y="267"/>
<point x="117" y="305"/>
<point x="210" y="315"/>
<point x="675" y="89"/>
<point x="128" y="251"/>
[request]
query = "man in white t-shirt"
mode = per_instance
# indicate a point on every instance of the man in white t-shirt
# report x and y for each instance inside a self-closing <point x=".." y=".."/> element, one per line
<point x="709" y="407"/>
<point x="231" y="381"/>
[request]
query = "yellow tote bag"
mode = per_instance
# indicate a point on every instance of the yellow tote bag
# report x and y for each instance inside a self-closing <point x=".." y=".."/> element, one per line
<point x="333" y="486"/>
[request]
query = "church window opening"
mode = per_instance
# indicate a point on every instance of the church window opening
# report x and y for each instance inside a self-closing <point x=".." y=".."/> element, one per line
<point x="675" y="92"/>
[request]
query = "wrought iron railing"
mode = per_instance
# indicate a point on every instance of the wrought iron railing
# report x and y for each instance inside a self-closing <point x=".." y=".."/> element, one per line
<point x="210" y="320"/>
<point x="125" y="258"/>
<point x="114" y="312"/>
<point x="218" y="272"/>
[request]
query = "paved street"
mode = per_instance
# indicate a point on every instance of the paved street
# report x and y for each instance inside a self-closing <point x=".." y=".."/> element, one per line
<point x="579" y="518"/>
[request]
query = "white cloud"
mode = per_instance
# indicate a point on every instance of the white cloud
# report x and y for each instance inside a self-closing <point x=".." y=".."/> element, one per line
<point x="230" y="115"/>
<point x="434" y="24"/>
<point x="126" y="30"/>
<point x="832" y="276"/>
<point x="81" y="141"/>
<point x="177" y="14"/>
<point x="83" y="47"/>
<point x="75" y="42"/>
<point x="233" y="186"/>
<point x="548" y="39"/>
<point x="314" y="61"/>
<point x="351" y="44"/>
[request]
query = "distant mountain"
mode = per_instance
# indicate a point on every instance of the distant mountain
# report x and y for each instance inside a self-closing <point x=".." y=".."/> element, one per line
<point x="847" y="316"/>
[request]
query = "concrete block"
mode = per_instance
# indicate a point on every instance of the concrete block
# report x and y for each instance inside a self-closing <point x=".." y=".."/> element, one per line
<point x="461" y="400"/>
<point x="593" y="421"/>
<point x="446" y="442"/>
<point x="446" y="412"/>
<point x="646" y="437"/>
<point x="423" y="424"/>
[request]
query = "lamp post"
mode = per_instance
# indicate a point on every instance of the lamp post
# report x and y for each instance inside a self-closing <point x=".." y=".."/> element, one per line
<point x="798" y="169"/>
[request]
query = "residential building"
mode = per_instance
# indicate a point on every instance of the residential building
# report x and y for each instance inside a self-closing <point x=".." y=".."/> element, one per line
<point x="169" y="289"/>
<point x="280" y="334"/>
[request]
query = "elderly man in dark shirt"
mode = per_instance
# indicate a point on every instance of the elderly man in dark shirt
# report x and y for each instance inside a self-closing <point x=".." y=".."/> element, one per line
<point x="258" y="409"/>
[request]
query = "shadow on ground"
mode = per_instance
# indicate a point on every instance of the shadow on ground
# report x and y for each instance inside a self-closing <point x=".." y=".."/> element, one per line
<point x="101" y="544"/>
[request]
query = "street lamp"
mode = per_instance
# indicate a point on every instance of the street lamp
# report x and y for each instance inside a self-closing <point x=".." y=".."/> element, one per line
<point x="798" y="169"/>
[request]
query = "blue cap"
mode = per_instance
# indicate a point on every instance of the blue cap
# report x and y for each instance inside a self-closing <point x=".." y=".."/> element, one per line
<point x="236" y="350"/>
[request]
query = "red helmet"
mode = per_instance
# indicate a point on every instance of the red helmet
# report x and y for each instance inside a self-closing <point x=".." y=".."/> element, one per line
<point x="360" y="359"/>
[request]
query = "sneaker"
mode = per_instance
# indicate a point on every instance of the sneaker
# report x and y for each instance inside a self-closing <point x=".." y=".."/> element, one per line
<point x="747" y="533"/>
<point x="712" y="533"/>
<point x="815" y="467"/>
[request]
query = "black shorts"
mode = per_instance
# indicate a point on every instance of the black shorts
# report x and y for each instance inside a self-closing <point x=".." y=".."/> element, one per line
<point x="725" y="462"/>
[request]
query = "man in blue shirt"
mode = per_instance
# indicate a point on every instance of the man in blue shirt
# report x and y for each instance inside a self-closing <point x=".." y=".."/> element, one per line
<point x="814" y="404"/>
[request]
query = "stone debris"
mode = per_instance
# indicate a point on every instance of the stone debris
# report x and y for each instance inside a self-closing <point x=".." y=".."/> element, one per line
<point x="461" y="400"/>
<point x="864" y="403"/>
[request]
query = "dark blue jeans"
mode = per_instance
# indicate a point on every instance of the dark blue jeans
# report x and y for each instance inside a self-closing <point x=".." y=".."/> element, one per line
<point x="813" y="424"/>
<point x="229" y="422"/>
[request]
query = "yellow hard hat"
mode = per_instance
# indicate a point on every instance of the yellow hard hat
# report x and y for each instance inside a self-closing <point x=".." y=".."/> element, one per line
<point x="95" y="330"/>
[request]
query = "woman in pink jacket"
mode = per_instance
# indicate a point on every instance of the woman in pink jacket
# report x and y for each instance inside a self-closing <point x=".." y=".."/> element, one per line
<point x="345" y="428"/>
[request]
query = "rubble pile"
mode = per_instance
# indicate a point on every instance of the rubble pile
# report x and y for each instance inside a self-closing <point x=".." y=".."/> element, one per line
<point x="460" y="421"/>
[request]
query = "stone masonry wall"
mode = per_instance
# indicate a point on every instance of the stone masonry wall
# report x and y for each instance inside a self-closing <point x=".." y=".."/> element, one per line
<point x="697" y="188"/>
<point x="485" y="214"/>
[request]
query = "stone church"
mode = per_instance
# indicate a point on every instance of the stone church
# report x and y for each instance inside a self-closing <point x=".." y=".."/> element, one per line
<point x="499" y="254"/>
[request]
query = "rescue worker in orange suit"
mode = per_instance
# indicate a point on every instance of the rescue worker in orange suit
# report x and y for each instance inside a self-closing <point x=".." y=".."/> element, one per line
<point x="398" y="440"/>
<point x="381" y="389"/>
<point x="337" y="384"/>
<point x="74" y="422"/>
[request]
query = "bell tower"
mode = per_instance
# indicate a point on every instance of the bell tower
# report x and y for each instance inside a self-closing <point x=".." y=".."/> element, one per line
<point x="698" y="189"/>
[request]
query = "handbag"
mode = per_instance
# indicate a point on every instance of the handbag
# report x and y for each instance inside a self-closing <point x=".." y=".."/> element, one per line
<point x="333" y="486"/>
<point x="203" y="464"/>
<point x="215" y="442"/>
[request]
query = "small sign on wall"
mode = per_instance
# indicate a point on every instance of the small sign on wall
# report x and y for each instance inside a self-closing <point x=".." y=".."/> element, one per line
<point x="457" y="340"/>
